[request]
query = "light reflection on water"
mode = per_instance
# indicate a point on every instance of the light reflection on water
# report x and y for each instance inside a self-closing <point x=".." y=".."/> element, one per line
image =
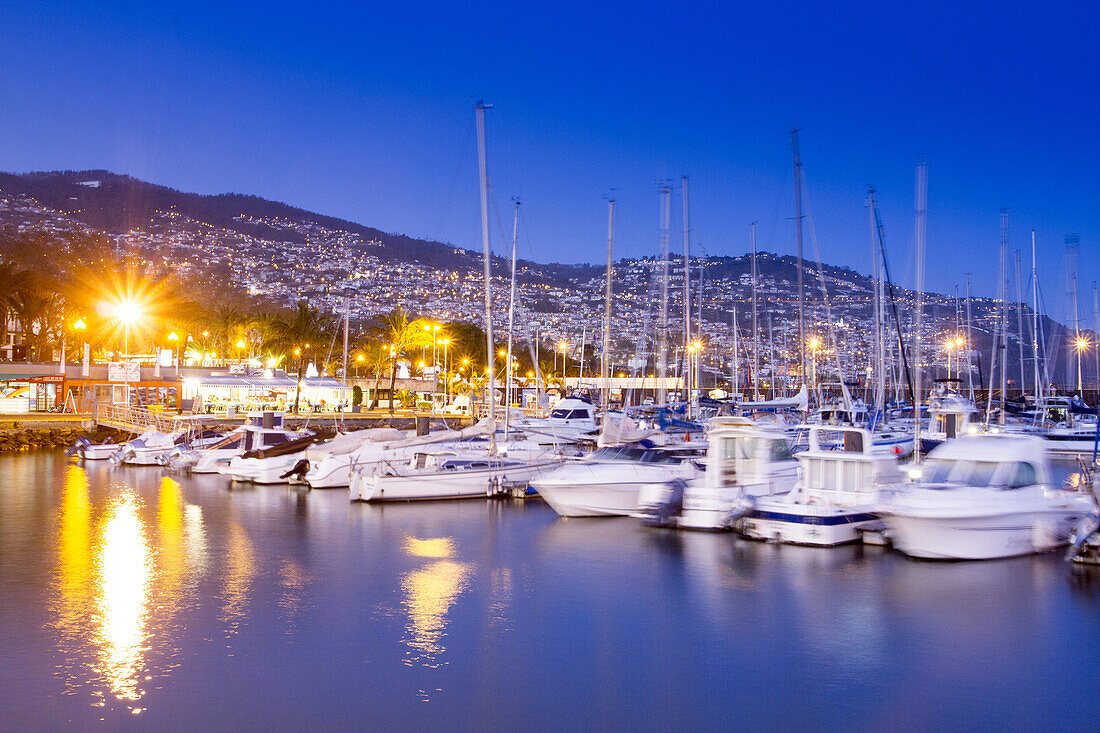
<point x="429" y="593"/>
<point x="201" y="607"/>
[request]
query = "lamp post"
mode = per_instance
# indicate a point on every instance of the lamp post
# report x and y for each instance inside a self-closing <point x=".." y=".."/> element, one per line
<point x="240" y="345"/>
<point x="174" y="338"/>
<point x="563" y="346"/>
<point x="1082" y="343"/>
<point x="814" y="344"/>
<point x="446" y="371"/>
<point x="358" y="361"/>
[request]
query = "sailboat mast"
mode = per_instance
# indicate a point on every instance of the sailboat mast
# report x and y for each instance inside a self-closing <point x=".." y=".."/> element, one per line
<point x="922" y="213"/>
<point x="687" y="290"/>
<point x="1035" y="320"/>
<point x="798" y="263"/>
<point x="1020" y="322"/>
<point x="511" y="320"/>
<point x="662" y="320"/>
<point x="605" y="366"/>
<point x="1096" y="333"/>
<point x="755" y="328"/>
<point x="736" y="365"/>
<point x="877" y="330"/>
<point x="969" y="346"/>
<point x="483" y="179"/>
<point x="1004" y="316"/>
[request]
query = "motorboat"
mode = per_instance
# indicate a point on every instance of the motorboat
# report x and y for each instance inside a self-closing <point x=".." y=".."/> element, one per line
<point x="328" y="465"/>
<point x="479" y="441"/>
<point x="150" y="448"/>
<point x="571" y="419"/>
<point x="86" y="450"/>
<point x="950" y="415"/>
<point x="840" y="476"/>
<point x="449" y="474"/>
<point x="607" y="482"/>
<point x="983" y="497"/>
<point x="261" y="430"/>
<point x="274" y="465"/>
<point x="744" y="461"/>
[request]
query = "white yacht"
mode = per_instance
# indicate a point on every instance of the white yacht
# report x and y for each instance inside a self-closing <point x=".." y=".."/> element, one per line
<point x="448" y="474"/>
<point x="950" y="415"/>
<point x="329" y="465"/>
<point x="150" y="448"/>
<point x="608" y="481"/>
<point x="983" y="497"/>
<point x="274" y="465"/>
<point x="571" y="419"/>
<point x="744" y="461"/>
<point x="840" y="476"/>
<point x="261" y="430"/>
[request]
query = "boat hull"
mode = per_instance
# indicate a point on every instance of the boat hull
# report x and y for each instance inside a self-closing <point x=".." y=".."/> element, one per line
<point x="807" y="524"/>
<point x="1008" y="534"/>
<point x="469" y="484"/>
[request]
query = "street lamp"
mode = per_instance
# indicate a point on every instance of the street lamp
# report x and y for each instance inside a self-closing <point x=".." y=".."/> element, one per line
<point x="814" y="343"/>
<point x="175" y="339"/>
<point x="128" y="312"/>
<point x="446" y="371"/>
<point x="240" y="345"/>
<point x="358" y="361"/>
<point x="563" y="345"/>
<point x="1082" y="343"/>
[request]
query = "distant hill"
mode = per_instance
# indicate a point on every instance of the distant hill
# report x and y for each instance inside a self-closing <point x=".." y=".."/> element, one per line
<point x="116" y="204"/>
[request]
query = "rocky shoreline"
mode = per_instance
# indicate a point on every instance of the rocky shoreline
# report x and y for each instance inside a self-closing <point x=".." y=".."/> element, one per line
<point x="21" y="439"/>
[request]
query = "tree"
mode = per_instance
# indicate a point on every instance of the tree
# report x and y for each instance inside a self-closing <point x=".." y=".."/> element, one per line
<point x="306" y="325"/>
<point x="399" y="334"/>
<point x="14" y="282"/>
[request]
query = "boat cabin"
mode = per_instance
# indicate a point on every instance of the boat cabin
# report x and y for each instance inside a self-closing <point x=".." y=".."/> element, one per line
<point x="575" y="413"/>
<point x="842" y="467"/>
<point x="950" y="416"/>
<point x="741" y="452"/>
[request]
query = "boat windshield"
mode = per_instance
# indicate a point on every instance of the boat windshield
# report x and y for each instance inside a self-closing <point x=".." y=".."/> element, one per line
<point x="636" y="455"/>
<point x="974" y="473"/>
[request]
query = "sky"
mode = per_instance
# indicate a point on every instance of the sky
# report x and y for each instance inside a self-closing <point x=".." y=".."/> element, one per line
<point x="366" y="111"/>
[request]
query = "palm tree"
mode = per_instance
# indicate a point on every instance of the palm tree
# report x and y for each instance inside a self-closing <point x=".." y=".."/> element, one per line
<point x="305" y="326"/>
<point x="14" y="282"/>
<point x="399" y="334"/>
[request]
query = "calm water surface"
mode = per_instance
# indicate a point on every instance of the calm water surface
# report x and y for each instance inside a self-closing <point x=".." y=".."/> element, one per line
<point x="134" y="599"/>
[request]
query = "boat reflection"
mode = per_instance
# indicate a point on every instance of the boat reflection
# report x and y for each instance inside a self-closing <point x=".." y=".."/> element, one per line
<point x="429" y="593"/>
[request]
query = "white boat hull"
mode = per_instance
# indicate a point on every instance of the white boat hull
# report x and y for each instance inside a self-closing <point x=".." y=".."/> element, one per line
<point x="807" y="524"/>
<point x="1006" y="534"/>
<point x="262" y="470"/>
<point x="445" y="485"/>
<point x="98" y="452"/>
<point x="603" y="489"/>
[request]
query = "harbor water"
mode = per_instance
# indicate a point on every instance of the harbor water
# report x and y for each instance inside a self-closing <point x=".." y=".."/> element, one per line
<point x="135" y="599"/>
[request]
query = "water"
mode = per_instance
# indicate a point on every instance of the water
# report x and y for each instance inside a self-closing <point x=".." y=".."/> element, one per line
<point x="142" y="600"/>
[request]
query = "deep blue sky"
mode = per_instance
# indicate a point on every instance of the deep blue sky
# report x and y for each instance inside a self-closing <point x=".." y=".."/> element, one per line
<point x="366" y="112"/>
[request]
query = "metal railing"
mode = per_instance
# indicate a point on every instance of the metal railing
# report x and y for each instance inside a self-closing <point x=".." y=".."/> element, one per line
<point x="137" y="419"/>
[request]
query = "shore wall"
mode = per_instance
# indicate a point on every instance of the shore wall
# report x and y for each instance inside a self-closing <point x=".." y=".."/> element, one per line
<point x="28" y="435"/>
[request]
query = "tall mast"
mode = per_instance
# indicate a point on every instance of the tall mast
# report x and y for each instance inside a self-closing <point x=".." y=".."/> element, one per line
<point x="605" y="366"/>
<point x="877" y="330"/>
<point x="736" y="362"/>
<point x="1039" y="382"/>
<point x="662" y="320"/>
<point x="511" y="320"/>
<point x="969" y="343"/>
<point x="798" y="239"/>
<point x="755" y="329"/>
<point x="1096" y="334"/>
<point x="487" y="254"/>
<point x="687" y="291"/>
<point x="922" y="214"/>
<point x="1004" y="316"/>
<point x="1020" y="323"/>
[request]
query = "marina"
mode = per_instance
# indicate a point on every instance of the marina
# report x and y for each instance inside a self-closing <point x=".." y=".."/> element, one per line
<point x="125" y="587"/>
